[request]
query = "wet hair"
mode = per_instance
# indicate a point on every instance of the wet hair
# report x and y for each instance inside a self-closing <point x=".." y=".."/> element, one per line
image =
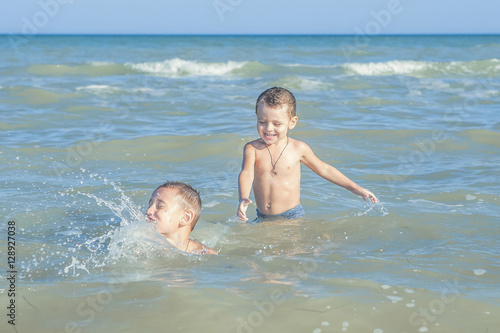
<point x="188" y="196"/>
<point x="276" y="97"/>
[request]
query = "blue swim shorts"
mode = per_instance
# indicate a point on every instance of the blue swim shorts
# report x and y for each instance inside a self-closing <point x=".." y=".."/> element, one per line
<point x="294" y="213"/>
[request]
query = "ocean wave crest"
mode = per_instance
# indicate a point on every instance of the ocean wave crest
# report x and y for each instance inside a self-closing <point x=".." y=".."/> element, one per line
<point x="179" y="67"/>
<point x="384" y="68"/>
<point x="424" y="68"/>
<point x="98" y="89"/>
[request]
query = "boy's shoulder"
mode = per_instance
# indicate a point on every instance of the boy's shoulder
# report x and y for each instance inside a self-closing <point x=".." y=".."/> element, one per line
<point x="297" y="145"/>
<point x="257" y="144"/>
<point x="296" y="142"/>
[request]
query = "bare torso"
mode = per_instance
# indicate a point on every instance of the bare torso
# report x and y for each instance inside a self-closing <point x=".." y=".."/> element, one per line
<point x="277" y="192"/>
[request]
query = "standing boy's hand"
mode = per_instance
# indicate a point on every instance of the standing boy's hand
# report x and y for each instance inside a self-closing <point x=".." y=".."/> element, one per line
<point x="365" y="194"/>
<point x="242" y="209"/>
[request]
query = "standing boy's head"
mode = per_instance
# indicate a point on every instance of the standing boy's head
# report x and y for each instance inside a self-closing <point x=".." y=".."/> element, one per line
<point x="276" y="114"/>
<point x="277" y="97"/>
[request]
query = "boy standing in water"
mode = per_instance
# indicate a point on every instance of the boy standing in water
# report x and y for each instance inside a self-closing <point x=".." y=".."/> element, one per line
<point x="271" y="164"/>
<point x="175" y="207"/>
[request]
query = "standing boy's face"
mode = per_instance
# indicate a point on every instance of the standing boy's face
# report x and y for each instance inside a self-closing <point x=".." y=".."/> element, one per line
<point x="273" y="123"/>
<point x="165" y="210"/>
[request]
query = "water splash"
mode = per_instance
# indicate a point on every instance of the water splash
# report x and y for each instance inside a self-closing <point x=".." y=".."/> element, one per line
<point x="126" y="210"/>
<point x="86" y="242"/>
<point x="75" y="264"/>
<point x="373" y="209"/>
<point x="133" y="241"/>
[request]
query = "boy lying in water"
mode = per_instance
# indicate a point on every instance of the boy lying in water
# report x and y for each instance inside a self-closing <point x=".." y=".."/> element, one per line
<point x="175" y="207"/>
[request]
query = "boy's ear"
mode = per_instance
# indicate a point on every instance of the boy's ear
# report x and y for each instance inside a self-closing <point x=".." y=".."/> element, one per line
<point x="187" y="218"/>
<point x="293" y="122"/>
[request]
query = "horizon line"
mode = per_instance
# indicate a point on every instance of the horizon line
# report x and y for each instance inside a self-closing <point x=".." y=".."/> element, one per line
<point x="249" y="34"/>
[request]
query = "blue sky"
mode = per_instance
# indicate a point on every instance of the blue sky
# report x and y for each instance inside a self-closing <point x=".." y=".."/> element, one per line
<point x="250" y="16"/>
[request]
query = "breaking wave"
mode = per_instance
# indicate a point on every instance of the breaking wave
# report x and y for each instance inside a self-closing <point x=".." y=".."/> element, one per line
<point x="176" y="67"/>
<point x="424" y="68"/>
<point x="179" y="67"/>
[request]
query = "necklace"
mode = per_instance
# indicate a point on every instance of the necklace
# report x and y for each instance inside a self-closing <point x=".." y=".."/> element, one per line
<point x="187" y="245"/>
<point x="271" y="156"/>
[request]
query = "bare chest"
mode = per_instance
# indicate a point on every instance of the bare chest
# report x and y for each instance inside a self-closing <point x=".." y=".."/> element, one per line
<point x="276" y="163"/>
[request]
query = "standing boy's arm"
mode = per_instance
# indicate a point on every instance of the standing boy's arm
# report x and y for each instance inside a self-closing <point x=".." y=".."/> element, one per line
<point x="333" y="175"/>
<point x="245" y="181"/>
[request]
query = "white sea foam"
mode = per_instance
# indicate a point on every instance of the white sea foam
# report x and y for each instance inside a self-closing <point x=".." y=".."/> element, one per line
<point x="100" y="63"/>
<point x="394" y="67"/>
<point x="98" y="89"/>
<point x="422" y="68"/>
<point x="394" y="299"/>
<point x="179" y="67"/>
<point x="308" y="84"/>
<point x="308" y="65"/>
<point x="304" y="84"/>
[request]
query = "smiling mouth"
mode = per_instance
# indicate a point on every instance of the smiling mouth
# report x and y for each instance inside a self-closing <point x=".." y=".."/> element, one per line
<point x="269" y="136"/>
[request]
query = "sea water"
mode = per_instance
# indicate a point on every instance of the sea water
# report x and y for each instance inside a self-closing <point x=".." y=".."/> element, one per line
<point x="91" y="125"/>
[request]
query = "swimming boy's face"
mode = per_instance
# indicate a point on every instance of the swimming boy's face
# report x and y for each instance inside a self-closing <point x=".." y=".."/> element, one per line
<point x="165" y="210"/>
<point x="273" y="123"/>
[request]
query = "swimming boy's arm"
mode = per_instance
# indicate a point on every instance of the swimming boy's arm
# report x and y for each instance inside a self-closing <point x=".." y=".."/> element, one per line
<point x="207" y="250"/>
<point x="202" y="248"/>
<point x="245" y="180"/>
<point x="333" y="175"/>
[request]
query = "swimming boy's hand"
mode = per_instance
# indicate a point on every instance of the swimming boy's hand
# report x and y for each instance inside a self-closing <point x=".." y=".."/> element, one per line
<point x="365" y="194"/>
<point x="242" y="209"/>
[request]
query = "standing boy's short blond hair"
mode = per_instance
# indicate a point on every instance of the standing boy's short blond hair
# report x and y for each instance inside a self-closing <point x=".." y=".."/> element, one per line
<point x="188" y="196"/>
<point x="277" y="97"/>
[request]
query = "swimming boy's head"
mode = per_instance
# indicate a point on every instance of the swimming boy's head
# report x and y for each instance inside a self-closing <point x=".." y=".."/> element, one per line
<point x="177" y="202"/>
<point x="276" y="114"/>
<point x="277" y="97"/>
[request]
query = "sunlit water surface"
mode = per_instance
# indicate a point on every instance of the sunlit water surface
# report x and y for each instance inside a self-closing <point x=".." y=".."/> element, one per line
<point x="90" y="126"/>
